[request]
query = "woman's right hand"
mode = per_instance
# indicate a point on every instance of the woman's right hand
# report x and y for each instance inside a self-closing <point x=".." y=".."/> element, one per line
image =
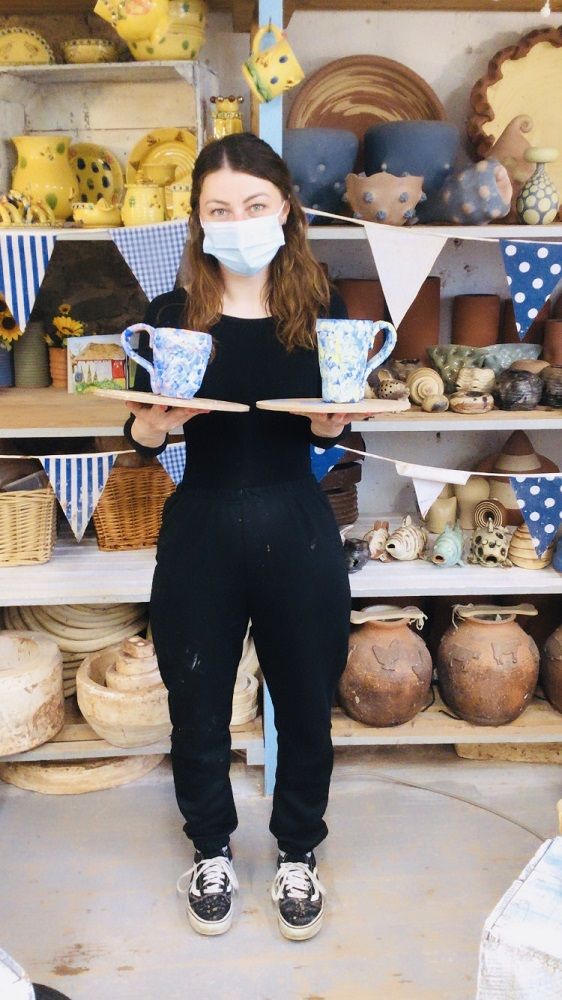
<point x="152" y="423"/>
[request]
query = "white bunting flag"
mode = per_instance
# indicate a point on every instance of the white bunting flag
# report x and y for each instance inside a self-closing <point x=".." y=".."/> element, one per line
<point x="78" y="482"/>
<point x="403" y="260"/>
<point x="427" y="492"/>
<point x="24" y="260"/>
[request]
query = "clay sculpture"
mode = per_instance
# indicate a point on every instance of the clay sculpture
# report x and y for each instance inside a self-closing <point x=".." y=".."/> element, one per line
<point x="407" y="542"/>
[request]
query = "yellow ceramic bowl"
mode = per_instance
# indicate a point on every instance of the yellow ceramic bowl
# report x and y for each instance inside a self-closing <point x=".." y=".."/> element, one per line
<point x="175" y="44"/>
<point x="102" y="213"/>
<point x="89" y="50"/>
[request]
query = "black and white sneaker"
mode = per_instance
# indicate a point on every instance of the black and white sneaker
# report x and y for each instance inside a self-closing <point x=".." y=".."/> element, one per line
<point x="299" y="896"/>
<point x="209" y="885"/>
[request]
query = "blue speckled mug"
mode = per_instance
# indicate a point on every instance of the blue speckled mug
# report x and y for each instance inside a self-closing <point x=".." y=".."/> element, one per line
<point x="343" y="352"/>
<point x="180" y="358"/>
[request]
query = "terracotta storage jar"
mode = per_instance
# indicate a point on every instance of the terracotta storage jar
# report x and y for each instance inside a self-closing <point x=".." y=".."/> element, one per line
<point x="476" y="320"/>
<point x="420" y="327"/>
<point x="551" y="669"/>
<point x="487" y="665"/>
<point x="388" y="674"/>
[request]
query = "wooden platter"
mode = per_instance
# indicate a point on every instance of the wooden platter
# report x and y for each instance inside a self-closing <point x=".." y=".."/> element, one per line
<point x="152" y="399"/>
<point x="311" y="405"/>
<point x="77" y="776"/>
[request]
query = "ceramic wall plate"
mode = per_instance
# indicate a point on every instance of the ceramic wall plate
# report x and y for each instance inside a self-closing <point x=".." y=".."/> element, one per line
<point x="176" y="146"/>
<point x="152" y="399"/>
<point x="359" y="91"/>
<point x="23" y="47"/>
<point x="522" y="79"/>
<point x="310" y="405"/>
<point x="98" y="172"/>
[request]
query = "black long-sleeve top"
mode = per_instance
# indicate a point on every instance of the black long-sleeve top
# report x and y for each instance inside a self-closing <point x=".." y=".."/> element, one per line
<point x="237" y="450"/>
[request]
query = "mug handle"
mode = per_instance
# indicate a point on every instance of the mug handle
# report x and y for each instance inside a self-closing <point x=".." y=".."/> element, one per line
<point x="126" y="342"/>
<point x="260" y="35"/>
<point x="390" y="338"/>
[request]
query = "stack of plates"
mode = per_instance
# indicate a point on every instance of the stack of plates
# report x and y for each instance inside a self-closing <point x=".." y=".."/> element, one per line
<point x="79" y="629"/>
<point x="344" y="505"/>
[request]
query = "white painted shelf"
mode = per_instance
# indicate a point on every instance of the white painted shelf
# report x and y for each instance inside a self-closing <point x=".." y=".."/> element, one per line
<point x="121" y="72"/>
<point x="353" y="231"/>
<point x="543" y="418"/>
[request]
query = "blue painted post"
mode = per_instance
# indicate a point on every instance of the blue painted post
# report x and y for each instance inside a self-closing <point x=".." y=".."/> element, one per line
<point x="271" y="130"/>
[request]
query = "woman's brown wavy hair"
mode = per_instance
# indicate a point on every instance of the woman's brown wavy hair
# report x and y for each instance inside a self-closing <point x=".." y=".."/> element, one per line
<point x="298" y="290"/>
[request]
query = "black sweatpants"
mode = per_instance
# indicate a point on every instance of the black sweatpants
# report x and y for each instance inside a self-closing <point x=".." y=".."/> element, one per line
<point x="272" y="554"/>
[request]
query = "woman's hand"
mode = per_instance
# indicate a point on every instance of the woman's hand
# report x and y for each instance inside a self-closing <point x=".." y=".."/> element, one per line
<point x="328" y="425"/>
<point x="152" y="423"/>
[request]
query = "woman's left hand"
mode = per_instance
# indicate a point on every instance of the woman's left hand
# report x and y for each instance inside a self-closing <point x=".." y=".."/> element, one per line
<point x="328" y="425"/>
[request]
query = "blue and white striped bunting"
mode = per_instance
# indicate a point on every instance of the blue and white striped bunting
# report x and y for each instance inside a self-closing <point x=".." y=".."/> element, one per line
<point x="24" y="259"/>
<point x="78" y="482"/>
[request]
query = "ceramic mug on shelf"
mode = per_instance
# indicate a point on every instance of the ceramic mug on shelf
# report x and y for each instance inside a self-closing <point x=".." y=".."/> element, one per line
<point x="271" y="71"/>
<point x="343" y="351"/>
<point x="180" y="358"/>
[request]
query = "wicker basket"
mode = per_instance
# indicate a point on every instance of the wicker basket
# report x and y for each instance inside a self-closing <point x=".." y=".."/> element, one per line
<point x="27" y="527"/>
<point x="129" y="511"/>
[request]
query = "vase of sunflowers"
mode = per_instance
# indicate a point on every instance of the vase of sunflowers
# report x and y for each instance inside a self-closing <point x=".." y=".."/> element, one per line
<point x="9" y="333"/>
<point x="62" y="327"/>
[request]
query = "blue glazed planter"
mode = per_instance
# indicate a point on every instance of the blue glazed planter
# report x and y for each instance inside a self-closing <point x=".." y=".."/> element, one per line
<point x="6" y="369"/>
<point x="319" y="160"/>
<point x="423" y="148"/>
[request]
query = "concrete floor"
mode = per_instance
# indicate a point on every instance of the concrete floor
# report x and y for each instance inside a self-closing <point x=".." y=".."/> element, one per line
<point x="88" y="900"/>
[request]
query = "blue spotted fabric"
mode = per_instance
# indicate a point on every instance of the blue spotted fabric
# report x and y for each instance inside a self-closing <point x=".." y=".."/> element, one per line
<point x="532" y="270"/>
<point x="540" y="502"/>
<point x="322" y="460"/>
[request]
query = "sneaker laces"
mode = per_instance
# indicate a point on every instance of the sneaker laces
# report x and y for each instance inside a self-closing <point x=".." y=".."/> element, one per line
<point x="213" y="873"/>
<point x="294" y="879"/>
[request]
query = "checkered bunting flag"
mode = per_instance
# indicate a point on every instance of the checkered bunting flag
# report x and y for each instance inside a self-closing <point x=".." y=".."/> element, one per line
<point x="24" y="260"/>
<point x="532" y="270"/>
<point x="540" y="502"/>
<point x="172" y="459"/>
<point x="78" y="482"/>
<point x="153" y="253"/>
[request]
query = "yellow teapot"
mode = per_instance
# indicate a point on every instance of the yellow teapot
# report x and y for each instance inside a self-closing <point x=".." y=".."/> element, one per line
<point x="133" y="19"/>
<point x="144" y="204"/>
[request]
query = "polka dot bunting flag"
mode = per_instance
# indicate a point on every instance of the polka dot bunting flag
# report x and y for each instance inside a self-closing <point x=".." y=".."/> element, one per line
<point x="533" y="270"/>
<point x="540" y="502"/>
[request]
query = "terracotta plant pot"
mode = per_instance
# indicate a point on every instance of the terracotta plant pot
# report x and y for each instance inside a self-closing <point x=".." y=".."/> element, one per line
<point x="487" y="665"/>
<point x="388" y="675"/>
<point x="551" y="669"/>
<point x="552" y="345"/>
<point x="57" y="366"/>
<point x="476" y="320"/>
<point x="364" y="299"/>
<point x="420" y="327"/>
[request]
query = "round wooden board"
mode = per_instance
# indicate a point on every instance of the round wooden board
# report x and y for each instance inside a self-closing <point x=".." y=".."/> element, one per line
<point x="311" y="405"/>
<point x="151" y="398"/>
<point x="70" y="778"/>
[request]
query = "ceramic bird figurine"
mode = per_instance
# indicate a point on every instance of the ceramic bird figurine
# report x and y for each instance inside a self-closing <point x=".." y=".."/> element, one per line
<point x="407" y="542"/>
<point x="377" y="537"/>
<point x="447" y="550"/>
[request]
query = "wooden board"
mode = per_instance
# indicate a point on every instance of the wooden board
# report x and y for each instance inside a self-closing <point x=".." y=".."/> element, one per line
<point x="524" y="753"/>
<point x="153" y="399"/>
<point x="311" y="405"/>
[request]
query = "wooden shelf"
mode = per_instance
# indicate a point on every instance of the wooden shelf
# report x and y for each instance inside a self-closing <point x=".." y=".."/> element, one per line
<point x="543" y="418"/>
<point x="539" y="723"/>
<point x="123" y="72"/>
<point x="353" y="231"/>
<point x="56" y="413"/>
<point x="77" y="739"/>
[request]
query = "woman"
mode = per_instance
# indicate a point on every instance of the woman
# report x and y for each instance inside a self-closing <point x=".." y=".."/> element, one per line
<point x="249" y="533"/>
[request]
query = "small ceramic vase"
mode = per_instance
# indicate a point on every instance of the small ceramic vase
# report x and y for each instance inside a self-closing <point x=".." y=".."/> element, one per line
<point x="551" y="669"/>
<point x="377" y="537"/>
<point x="552" y="385"/>
<point x="489" y="547"/>
<point x="471" y="402"/>
<point x="407" y="542"/>
<point x="476" y="380"/>
<point x="388" y="675"/>
<point x="447" y="550"/>
<point x="475" y="489"/>
<point x="442" y="512"/>
<point x="424" y="382"/>
<point x="474" y="195"/>
<point x="522" y="552"/>
<point x="143" y="204"/>
<point x="384" y="197"/>
<point x="58" y="367"/>
<point x="435" y="404"/>
<point x="538" y="202"/>
<point x="487" y="665"/>
<point x="515" y="390"/>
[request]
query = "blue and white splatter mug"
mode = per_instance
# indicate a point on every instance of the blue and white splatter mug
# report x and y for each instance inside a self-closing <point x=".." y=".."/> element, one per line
<point x="343" y="352"/>
<point x="180" y="358"/>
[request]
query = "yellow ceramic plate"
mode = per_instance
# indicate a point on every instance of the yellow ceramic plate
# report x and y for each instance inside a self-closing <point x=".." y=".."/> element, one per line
<point x="23" y="47"/>
<point x="98" y="172"/>
<point x="175" y="146"/>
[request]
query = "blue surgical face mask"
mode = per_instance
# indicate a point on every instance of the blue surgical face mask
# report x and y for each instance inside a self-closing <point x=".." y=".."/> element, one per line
<point x="245" y="246"/>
